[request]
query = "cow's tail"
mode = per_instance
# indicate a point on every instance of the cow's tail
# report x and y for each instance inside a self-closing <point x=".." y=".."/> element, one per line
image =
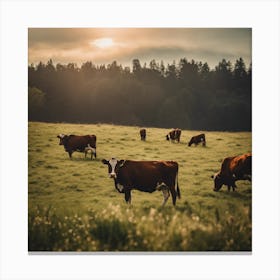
<point x="178" y="189"/>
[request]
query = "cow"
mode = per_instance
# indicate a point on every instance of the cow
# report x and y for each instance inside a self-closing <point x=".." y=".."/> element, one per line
<point x="174" y="135"/>
<point x="233" y="169"/>
<point x="143" y="134"/>
<point x="198" y="139"/>
<point x="146" y="176"/>
<point x="74" y="143"/>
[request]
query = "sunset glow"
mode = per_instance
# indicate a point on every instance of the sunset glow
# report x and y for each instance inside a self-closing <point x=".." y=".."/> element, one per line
<point x="103" y="43"/>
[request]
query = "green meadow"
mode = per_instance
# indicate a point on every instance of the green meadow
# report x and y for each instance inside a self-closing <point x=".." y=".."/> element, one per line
<point x="73" y="204"/>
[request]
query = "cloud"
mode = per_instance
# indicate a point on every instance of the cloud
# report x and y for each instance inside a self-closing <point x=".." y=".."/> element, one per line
<point x="59" y="36"/>
<point x="201" y="44"/>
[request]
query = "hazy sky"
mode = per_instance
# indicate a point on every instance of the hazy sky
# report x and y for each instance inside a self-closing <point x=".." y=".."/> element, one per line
<point x="104" y="45"/>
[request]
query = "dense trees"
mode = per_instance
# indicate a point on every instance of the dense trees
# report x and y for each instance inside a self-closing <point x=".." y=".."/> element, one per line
<point x="186" y="95"/>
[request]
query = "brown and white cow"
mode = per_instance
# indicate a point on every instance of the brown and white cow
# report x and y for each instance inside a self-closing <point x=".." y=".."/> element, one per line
<point x="233" y="169"/>
<point x="198" y="139"/>
<point x="174" y="135"/>
<point x="146" y="176"/>
<point x="143" y="134"/>
<point x="74" y="143"/>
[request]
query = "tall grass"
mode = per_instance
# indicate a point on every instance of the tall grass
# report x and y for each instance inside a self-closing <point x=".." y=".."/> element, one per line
<point x="117" y="228"/>
<point x="73" y="205"/>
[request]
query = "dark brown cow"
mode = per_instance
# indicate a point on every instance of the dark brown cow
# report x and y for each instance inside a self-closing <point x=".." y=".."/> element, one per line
<point x="146" y="176"/>
<point x="143" y="134"/>
<point x="74" y="143"/>
<point x="198" y="139"/>
<point x="233" y="169"/>
<point x="174" y="135"/>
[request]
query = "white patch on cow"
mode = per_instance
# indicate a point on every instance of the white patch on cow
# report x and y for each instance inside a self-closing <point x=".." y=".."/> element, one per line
<point x="161" y="186"/>
<point x="89" y="148"/>
<point x="61" y="135"/>
<point x="176" y="179"/>
<point x="120" y="187"/>
<point x="113" y="162"/>
<point x="215" y="175"/>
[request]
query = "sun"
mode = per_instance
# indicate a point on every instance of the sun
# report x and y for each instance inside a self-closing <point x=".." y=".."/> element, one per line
<point x="103" y="43"/>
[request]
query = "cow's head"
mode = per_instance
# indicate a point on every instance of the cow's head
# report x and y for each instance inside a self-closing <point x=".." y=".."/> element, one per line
<point x="114" y="166"/>
<point x="190" y="143"/>
<point x="167" y="137"/>
<point x="218" y="181"/>
<point x="62" y="138"/>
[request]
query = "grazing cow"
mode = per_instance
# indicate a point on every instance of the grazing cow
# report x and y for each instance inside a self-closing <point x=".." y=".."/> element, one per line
<point x="174" y="135"/>
<point x="198" y="139"/>
<point x="143" y="134"/>
<point x="146" y="176"/>
<point x="233" y="169"/>
<point x="74" y="143"/>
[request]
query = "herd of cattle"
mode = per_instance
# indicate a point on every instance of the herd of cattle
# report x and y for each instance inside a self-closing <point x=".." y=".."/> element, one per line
<point x="149" y="176"/>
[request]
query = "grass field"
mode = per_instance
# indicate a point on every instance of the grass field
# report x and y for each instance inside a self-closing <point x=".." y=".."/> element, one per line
<point x="73" y="205"/>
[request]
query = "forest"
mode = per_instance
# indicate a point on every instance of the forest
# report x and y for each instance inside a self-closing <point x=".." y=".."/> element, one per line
<point x="187" y="94"/>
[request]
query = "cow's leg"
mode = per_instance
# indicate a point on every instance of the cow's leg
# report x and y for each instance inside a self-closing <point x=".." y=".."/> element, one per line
<point x="233" y="187"/>
<point x="173" y="194"/>
<point x="93" y="152"/>
<point x="70" y="154"/>
<point x="166" y="194"/>
<point x="127" y="196"/>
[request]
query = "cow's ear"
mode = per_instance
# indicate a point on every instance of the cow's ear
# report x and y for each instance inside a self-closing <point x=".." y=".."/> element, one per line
<point x="104" y="161"/>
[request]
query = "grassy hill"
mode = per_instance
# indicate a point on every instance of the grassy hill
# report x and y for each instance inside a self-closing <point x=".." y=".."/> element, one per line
<point x="73" y="205"/>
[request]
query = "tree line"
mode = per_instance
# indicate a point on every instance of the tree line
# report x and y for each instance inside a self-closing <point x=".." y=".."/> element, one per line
<point x="187" y="94"/>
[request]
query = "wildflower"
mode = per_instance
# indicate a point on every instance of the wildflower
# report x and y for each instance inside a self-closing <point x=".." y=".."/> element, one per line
<point x="152" y="211"/>
<point x="195" y="218"/>
<point x="174" y="218"/>
<point x="143" y="218"/>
